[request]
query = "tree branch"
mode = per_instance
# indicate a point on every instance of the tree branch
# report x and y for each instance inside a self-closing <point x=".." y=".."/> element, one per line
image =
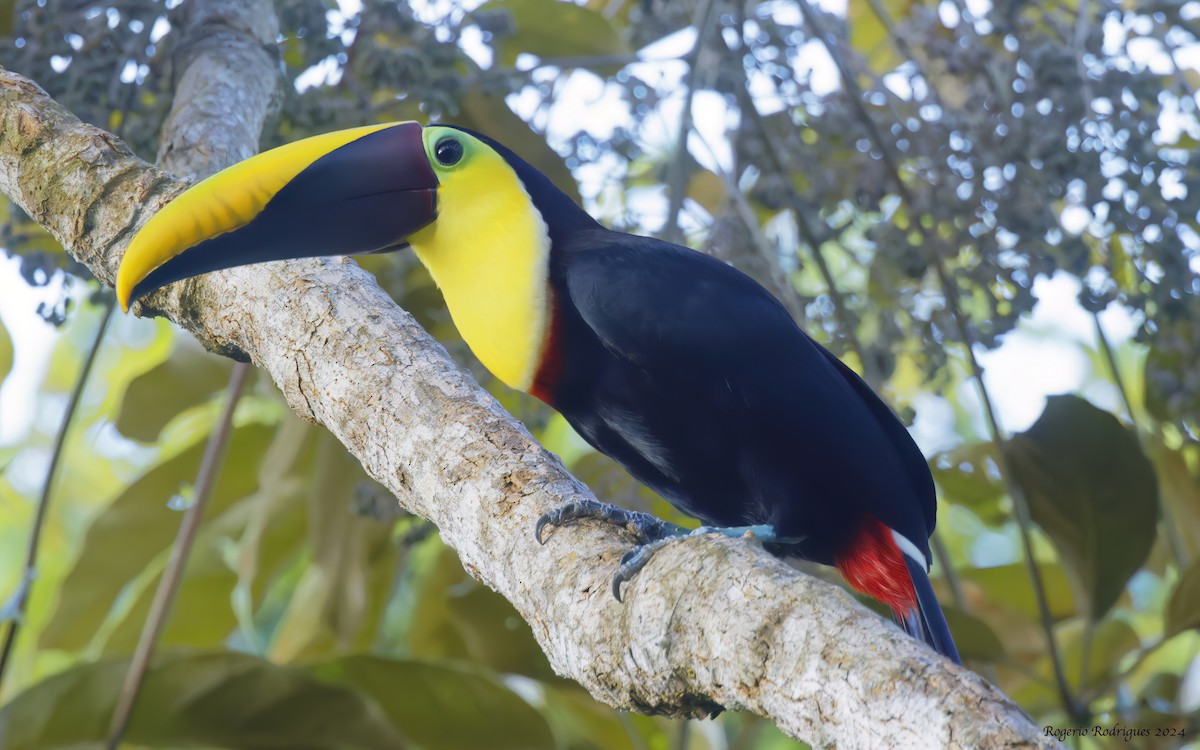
<point x="709" y="623"/>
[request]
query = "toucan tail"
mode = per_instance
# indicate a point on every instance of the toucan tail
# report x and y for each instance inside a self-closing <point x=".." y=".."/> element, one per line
<point x="925" y="622"/>
<point x="879" y="562"/>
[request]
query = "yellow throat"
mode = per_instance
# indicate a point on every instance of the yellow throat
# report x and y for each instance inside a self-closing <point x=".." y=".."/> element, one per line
<point x="489" y="253"/>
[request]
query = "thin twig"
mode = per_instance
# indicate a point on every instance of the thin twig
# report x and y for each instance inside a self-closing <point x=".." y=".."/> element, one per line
<point x="948" y="572"/>
<point x="168" y="586"/>
<point x="677" y="171"/>
<point x="20" y="600"/>
<point x="1079" y="42"/>
<point x="1085" y="651"/>
<point x="987" y="669"/>
<point x="950" y="290"/>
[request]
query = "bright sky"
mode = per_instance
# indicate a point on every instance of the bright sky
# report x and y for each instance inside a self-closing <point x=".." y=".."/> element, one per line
<point x="1043" y="357"/>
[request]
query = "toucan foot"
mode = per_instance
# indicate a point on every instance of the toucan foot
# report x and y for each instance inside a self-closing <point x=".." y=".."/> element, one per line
<point x="633" y="561"/>
<point x="654" y="533"/>
<point x="636" y="558"/>
<point x="644" y="525"/>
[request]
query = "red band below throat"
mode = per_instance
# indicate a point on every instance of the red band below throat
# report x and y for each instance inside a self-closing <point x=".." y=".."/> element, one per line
<point x="550" y="364"/>
<point x="873" y="564"/>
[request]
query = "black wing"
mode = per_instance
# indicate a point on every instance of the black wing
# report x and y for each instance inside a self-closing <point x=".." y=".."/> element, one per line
<point x="697" y="327"/>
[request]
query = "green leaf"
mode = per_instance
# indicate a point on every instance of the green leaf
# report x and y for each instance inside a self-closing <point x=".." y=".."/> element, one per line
<point x="868" y="35"/>
<point x="442" y="707"/>
<point x="707" y="189"/>
<point x="1183" y="611"/>
<point x="23" y="235"/>
<point x="552" y="29"/>
<point x="227" y="700"/>
<point x="1110" y="640"/>
<point x="1178" y="473"/>
<point x="138" y="526"/>
<point x="1092" y="491"/>
<point x="203" y="614"/>
<point x="585" y="724"/>
<point x="333" y="600"/>
<point x="967" y="476"/>
<point x="1008" y="585"/>
<point x="452" y="616"/>
<point x="188" y="377"/>
<point x="974" y="637"/>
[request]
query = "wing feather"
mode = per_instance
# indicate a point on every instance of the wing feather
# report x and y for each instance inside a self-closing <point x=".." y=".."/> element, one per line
<point x="703" y="328"/>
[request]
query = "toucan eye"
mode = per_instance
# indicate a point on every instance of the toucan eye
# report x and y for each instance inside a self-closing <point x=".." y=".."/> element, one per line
<point x="448" y="151"/>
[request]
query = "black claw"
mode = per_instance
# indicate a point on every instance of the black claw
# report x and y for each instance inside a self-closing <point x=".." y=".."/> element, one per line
<point x="632" y="563"/>
<point x="642" y="524"/>
<point x="562" y="514"/>
<point x="541" y="524"/>
<point x="654" y="531"/>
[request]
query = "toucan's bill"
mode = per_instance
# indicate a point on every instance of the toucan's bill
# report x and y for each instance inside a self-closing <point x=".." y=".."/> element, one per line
<point x="353" y="191"/>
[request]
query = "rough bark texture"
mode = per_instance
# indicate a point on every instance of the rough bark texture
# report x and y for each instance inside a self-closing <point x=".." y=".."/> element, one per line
<point x="710" y="623"/>
<point x="230" y="86"/>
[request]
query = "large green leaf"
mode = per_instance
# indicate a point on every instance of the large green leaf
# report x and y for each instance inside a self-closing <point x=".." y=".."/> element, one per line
<point x="967" y="476"/>
<point x="1103" y="650"/>
<point x="227" y="700"/>
<point x="551" y="29"/>
<point x="974" y="637"/>
<point x="443" y="707"/>
<point x="1183" y="611"/>
<point x="188" y="377"/>
<point x="1110" y="640"/>
<point x="1178" y="472"/>
<point x="1009" y="586"/>
<point x="1094" y="493"/>
<point x="137" y="527"/>
<point x="203" y="614"/>
<point x="338" y="595"/>
<point x="584" y="723"/>
<point x="452" y="616"/>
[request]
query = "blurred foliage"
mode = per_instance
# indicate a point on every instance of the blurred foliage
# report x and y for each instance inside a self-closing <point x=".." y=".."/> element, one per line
<point x="1037" y="141"/>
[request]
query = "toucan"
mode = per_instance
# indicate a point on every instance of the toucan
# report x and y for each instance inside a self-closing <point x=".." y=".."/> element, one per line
<point x="685" y="371"/>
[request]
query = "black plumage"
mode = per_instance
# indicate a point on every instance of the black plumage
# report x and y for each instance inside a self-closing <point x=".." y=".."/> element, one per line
<point x="695" y="379"/>
<point x="698" y="381"/>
